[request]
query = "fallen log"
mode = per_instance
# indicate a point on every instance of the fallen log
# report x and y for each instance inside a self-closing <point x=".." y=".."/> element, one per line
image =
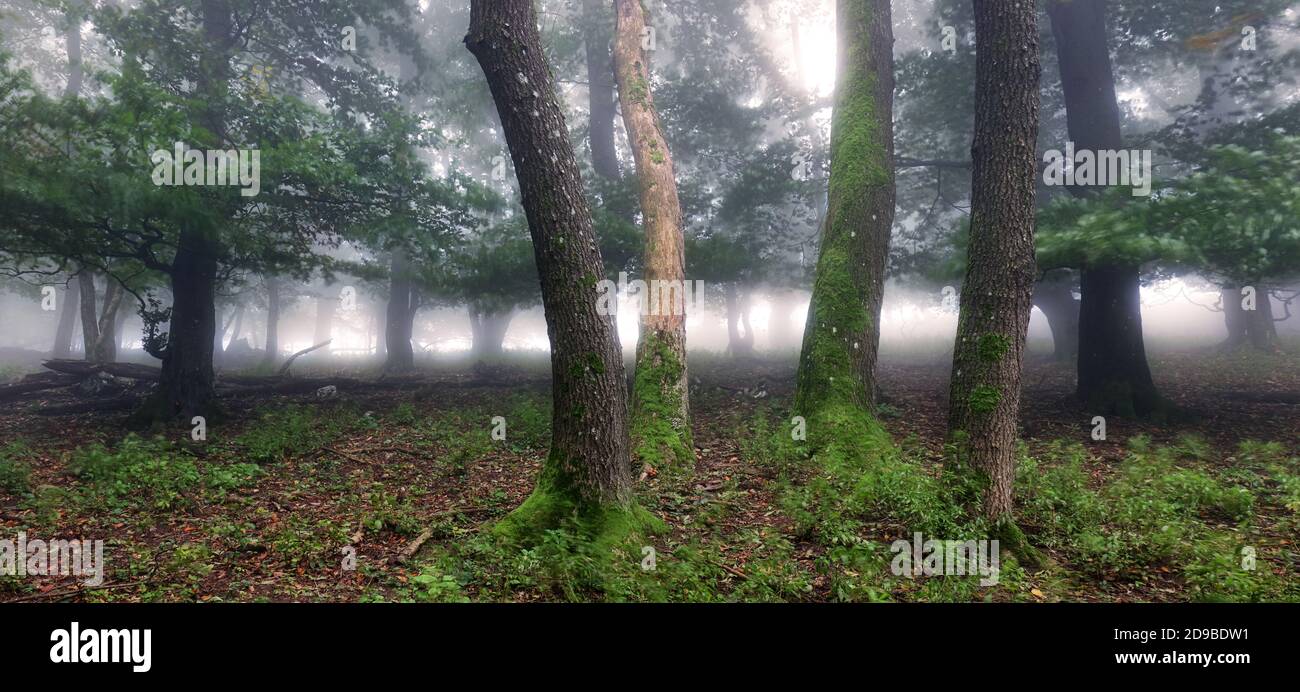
<point x="98" y="406"/>
<point x="37" y="383"/>
<point x="130" y="371"/>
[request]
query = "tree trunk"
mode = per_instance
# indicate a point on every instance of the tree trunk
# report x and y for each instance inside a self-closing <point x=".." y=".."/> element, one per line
<point x="325" y="309"/>
<point x="587" y="474"/>
<point x="1055" y="298"/>
<point x="836" y="380"/>
<point x="106" y="340"/>
<point x="489" y="332"/>
<point x="401" y="317"/>
<point x="237" y="327"/>
<point x="272" y="322"/>
<point x="600" y="87"/>
<point x="185" y="386"/>
<point x="68" y="311"/>
<point x="997" y="295"/>
<point x="1113" y="373"/>
<point x="1260" y="325"/>
<point x="661" y="417"/>
<point x="89" y="318"/>
<point x="738" y="343"/>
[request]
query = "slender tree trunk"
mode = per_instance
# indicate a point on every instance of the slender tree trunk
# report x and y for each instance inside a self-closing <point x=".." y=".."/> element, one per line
<point x="89" y="318"/>
<point x="399" y="325"/>
<point x="600" y="87"/>
<point x="68" y="311"/>
<point x="661" y="414"/>
<point x="1056" y="299"/>
<point x="738" y="343"/>
<point x="996" y="297"/>
<point x="1113" y="373"/>
<point x="587" y="474"/>
<point x="237" y="327"/>
<point x="836" y="380"/>
<point x="106" y="341"/>
<point x="273" y="297"/>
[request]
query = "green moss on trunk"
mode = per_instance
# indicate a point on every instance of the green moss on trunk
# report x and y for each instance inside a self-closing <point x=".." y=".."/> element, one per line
<point x="661" y="435"/>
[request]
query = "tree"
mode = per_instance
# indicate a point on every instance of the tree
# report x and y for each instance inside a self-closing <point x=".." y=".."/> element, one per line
<point x="1113" y="374"/>
<point x="661" y="413"/>
<point x="836" y="378"/>
<point x="600" y="88"/>
<point x="587" y="473"/>
<point x="996" y="297"/>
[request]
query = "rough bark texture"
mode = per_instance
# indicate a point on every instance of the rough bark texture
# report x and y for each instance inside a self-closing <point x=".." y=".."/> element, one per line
<point x="600" y="87"/>
<point x="661" y="418"/>
<point x="996" y="297"/>
<point x="68" y="311"/>
<point x="587" y="474"/>
<point x="1055" y="298"/>
<point x="401" y="316"/>
<point x="838" y="360"/>
<point x="1113" y="373"/>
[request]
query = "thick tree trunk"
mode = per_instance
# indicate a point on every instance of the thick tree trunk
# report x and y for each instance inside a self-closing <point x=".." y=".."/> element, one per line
<point x="587" y="474"/>
<point x="996" y="297"/>
<point x="836" y="379"/>
<point x="68" y="311"/>
<point x="489" y="332"/>
<point x="1113" y="373"/>
<point x="661" y="414"/>
<point x="600" y="87"/>
<point x="1055" y="298"/>
<point x="400" y="322"/>
<point x="185" y="388"/>
<point x="273" y="297"/>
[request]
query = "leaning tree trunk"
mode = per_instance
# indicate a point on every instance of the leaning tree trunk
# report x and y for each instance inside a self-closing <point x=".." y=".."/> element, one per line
<point x="996" y="297"/>
<point x="836" y="379"/>
<point x="1113" y="373"/>
<point x="600" y="87"/>
<point x="68" y="311"/>
<point x="1055" y="298"/>
<point x="661" y="414"/>
<point x="401" y="318"/>
<point x="586" y="477"/>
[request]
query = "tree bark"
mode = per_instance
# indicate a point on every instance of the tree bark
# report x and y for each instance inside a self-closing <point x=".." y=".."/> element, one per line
<point x="838" y="359"/>
<point x="89" y="318"/>
<point x="68" y="311"/>
<point x="996" y="297"/>
<point x="661" y="414"/>
<point x="588" y="471"/>
<point x="400" y="322"/>
<point x="1113" y="375"/>
<point x="600" y="88"/>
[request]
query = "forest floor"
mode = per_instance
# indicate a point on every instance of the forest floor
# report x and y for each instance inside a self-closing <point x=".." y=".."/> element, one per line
<point x="286" y="491"/>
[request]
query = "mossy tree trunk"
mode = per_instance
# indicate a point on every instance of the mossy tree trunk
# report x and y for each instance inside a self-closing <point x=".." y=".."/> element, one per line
<point x="836" y="379"/>
<point x="996" y="297"/>
<point x="586" y="476"/>
<point x="1113" y="375"/>
<point x="661" y="419"/>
